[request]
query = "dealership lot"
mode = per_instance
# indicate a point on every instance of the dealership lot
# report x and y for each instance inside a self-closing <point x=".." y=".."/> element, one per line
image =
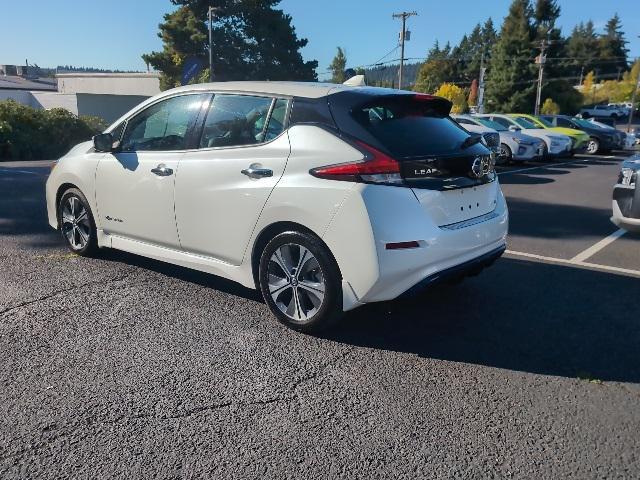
<point x="122" y="366"/>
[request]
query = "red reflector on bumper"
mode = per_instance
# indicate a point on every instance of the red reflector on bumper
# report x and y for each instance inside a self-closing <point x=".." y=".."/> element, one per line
<point x="402" y="245"/>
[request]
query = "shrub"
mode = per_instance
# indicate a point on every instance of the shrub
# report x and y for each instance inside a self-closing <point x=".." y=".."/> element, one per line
<point x="30" y="134"/>
<point x="549" y="107"/>
<point x="455" y="94"/>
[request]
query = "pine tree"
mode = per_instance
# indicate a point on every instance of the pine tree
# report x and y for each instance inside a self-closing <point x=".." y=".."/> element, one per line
<point x="251" y="40"/>
<point x="582" y="49"/>
<point x="612" y="55"/>
<point x="338" y="65"/>
<point x="512" y="72"/>
<point x="439" y="68"/>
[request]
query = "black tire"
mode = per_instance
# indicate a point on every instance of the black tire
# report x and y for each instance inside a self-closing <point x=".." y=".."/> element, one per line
<point x="507" y="155"/>
<point x="320" y="264"/>
<point x="545" y="152"/>
<point x="84" y="226"/>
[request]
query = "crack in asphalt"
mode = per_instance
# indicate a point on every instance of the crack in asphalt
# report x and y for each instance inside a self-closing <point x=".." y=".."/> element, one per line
<point x="63" y="432"/>
<point x="65" y="290"/>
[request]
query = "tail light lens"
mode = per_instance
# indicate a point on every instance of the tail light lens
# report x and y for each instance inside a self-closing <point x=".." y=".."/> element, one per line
<point x="375" y="167"/>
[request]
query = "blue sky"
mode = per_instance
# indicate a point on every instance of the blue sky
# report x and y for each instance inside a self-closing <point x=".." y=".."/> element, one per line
<point x="114" y="35"/>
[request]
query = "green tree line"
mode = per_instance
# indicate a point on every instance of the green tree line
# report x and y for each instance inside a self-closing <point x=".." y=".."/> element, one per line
<point x="510" y="55"/>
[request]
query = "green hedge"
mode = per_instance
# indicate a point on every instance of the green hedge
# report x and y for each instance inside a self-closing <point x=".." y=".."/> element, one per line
<point x="31" y="134"/>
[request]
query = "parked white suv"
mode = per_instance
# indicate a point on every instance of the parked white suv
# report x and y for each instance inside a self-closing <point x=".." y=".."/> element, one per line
<point x="325" y="197"/>
<point x="607" y="111"/>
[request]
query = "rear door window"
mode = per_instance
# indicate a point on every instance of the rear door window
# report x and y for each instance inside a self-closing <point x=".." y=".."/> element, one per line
<point x="563" y="122"/>
<point x="277" y="120"/>
<point x="236" y="120"/>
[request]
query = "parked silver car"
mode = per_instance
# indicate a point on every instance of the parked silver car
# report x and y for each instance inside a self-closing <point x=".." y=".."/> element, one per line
<point x="514" y="146"/>
<point x="626" y="196"/>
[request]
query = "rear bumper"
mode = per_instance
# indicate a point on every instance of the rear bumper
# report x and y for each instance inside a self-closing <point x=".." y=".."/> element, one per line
<point x="375" y="273"/>
<point x="471" y="267"/>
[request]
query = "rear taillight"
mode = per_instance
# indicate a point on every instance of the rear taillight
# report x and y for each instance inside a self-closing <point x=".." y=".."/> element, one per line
<point x="375" y="167"/>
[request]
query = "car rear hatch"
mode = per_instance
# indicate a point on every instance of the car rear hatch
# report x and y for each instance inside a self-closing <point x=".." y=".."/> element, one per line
<point x="449" y="170"/>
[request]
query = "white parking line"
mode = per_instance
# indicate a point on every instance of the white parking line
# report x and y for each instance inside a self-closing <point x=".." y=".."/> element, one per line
<point x="591" y="251"/>
<point x="544" y="167"/>
<point x="572" y="263"/>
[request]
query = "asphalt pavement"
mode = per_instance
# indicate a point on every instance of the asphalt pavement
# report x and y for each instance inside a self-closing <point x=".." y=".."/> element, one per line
<point x="123" y="367"/>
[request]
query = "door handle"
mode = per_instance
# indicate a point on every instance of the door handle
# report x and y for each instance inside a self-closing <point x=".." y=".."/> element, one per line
<point x="255" y="172"/>
<point x="162" y="170"/>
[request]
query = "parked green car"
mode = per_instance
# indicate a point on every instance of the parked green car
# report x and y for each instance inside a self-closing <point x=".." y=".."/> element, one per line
<point x="578" y="138"/>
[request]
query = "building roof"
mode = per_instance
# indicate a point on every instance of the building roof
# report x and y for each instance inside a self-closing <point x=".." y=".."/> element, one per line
<point x="10" y="82"/>
<point x="108" y="75"/>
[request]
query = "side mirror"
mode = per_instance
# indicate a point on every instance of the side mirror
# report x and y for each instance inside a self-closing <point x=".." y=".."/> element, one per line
<point x="513" y="128"/>
<point x="103" y="142"/>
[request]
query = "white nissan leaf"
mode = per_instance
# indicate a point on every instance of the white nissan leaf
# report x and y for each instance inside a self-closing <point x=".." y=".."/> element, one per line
<point x="324" y="197"/>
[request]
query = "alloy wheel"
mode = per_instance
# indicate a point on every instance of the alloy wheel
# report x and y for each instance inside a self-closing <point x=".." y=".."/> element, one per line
<point x="592" y="147"/>
<point x="503" y="155"/>
<point x="296" y="282"/>
<point x="75" y="223"/>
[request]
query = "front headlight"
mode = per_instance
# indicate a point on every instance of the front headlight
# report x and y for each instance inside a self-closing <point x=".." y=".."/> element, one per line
<point x="628" y="177"/>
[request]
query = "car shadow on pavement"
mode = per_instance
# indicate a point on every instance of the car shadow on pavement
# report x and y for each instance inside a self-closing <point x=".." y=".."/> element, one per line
<point x="553" y="221"/>
<point x="524" y="179"/>
<point x="181" y="273"/>
<point x="517" y="315"/>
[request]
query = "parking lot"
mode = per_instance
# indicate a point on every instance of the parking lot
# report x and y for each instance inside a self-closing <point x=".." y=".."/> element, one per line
<point x="126" y="367"/>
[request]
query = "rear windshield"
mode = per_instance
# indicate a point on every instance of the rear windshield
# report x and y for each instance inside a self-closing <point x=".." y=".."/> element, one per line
<point x="407" y="127"/>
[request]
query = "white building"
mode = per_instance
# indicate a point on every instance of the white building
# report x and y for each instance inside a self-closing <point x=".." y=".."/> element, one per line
<point x="105" y="95"/>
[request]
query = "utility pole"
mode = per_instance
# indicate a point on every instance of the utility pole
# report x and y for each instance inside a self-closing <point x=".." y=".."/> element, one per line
<point x="540" y="60"/>
<point x="481" y="84"/>
<point x="403" y="34"/>
<point x="633" y="99"/>
<point x="211" y="13"/>
<point x="581" y="75"/>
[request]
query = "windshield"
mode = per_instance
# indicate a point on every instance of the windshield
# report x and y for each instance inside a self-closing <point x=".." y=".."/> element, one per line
<point x="495" y="125"/>
<point x="526" y="124"/>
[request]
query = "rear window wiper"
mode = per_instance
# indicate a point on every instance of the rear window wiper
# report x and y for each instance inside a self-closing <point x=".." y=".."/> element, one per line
<point x="472" y="140"/>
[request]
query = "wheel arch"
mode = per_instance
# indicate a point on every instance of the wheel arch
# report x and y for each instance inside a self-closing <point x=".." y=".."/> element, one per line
<point x="59" y="192"/>
<point x="270" y="231"/>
